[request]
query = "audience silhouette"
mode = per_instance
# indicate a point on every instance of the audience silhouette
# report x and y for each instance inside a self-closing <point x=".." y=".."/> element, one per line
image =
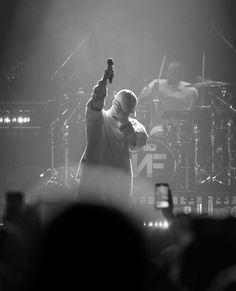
<point x="88" y="245"/>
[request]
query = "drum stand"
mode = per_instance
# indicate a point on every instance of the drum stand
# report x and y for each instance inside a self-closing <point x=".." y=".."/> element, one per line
<point x="182" y="149"/>
<point x="229" y="171"/>
<point x="197" y="170"/>
<point x="227" y="174"/>
<point x="202" y="176"/>
<point x="154" y="112"/>
<point x="51" y="173"/>
<point x="60" y="176"/>
<point x="188" y="164"/>
<point x="68" y="173"/>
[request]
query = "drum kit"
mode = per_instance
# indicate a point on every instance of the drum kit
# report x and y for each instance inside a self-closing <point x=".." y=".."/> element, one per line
<point x="194" y="148"/>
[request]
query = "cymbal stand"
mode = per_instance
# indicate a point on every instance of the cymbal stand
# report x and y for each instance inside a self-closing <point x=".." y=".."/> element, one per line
<point x="65" y="129"/>
<point x="202" y="176"/>
<point x="178" y="124"/>
<point x="214" y="177"/>
<point x="52" y="170"/>
<point x="182" y="153"/>
<point x="156" y="102"/>
<point x="187" y="180"/>
<point x="230" y="170"/>
<point x="197" y="169"/>
<point x="189" y="150"/>
<point x="52" y="128"/>
<point x="154" y="112"/>
<point x="212" y="135"/>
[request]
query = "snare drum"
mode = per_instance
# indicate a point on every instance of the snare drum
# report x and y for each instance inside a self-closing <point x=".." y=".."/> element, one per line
<point x="153" y="163"/>
<point x="167" y="133"/>
<point x="173" y="133"/>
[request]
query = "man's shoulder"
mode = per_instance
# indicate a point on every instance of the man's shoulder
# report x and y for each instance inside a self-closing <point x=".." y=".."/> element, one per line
<point x="156" y="81"/>
<point x="152" y="83"/>
<point x="160" y="81"/>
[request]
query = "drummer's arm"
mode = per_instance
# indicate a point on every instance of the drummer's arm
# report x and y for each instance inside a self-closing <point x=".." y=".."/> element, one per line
<point x="148" y="90"/>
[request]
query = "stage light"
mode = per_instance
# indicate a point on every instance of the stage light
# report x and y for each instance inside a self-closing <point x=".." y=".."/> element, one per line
<point x="26" y="119"/>
<point x="165" y="224"/>
<point x="7" y="119"/>
<point x="20" y="119"/>
<point x="157" y="224"/>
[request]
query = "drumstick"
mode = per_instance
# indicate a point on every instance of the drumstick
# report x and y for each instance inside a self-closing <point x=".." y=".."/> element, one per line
<point x="203" y="67"/>
<point x="162" y="66"/>
<point x="159" y="76"/>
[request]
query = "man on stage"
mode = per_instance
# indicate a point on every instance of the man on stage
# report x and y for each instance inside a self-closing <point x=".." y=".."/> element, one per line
<point x="105" y="169"/>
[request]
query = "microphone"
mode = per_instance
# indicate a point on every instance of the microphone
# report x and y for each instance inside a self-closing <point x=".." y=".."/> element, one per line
<point x="110" y="65"/>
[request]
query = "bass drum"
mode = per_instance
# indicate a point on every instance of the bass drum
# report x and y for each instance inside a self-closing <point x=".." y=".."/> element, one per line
<point x="153" y="163"/>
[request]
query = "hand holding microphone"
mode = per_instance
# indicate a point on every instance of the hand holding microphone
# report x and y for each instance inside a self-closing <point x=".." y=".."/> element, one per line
<point x="129" y="133"/>
<point x="126" y="128"/>
<point x="109" y="72"/>
<point x="110" y="68"/>
<point x="101" y="88"/>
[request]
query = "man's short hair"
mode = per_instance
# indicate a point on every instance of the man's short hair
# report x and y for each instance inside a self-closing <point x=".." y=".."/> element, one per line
<point x="175" y="67"/>
<point x="129" y="98"/>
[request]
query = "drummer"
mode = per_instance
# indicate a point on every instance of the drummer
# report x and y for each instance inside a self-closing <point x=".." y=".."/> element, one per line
<point x="170" y="94"/>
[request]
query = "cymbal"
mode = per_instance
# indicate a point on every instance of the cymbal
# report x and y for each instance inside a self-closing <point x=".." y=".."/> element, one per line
<point x="202" y="107"/>
<point x="209" y="83"/>
<point x="177" y="114"/>
<point x="186" y="114"/>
